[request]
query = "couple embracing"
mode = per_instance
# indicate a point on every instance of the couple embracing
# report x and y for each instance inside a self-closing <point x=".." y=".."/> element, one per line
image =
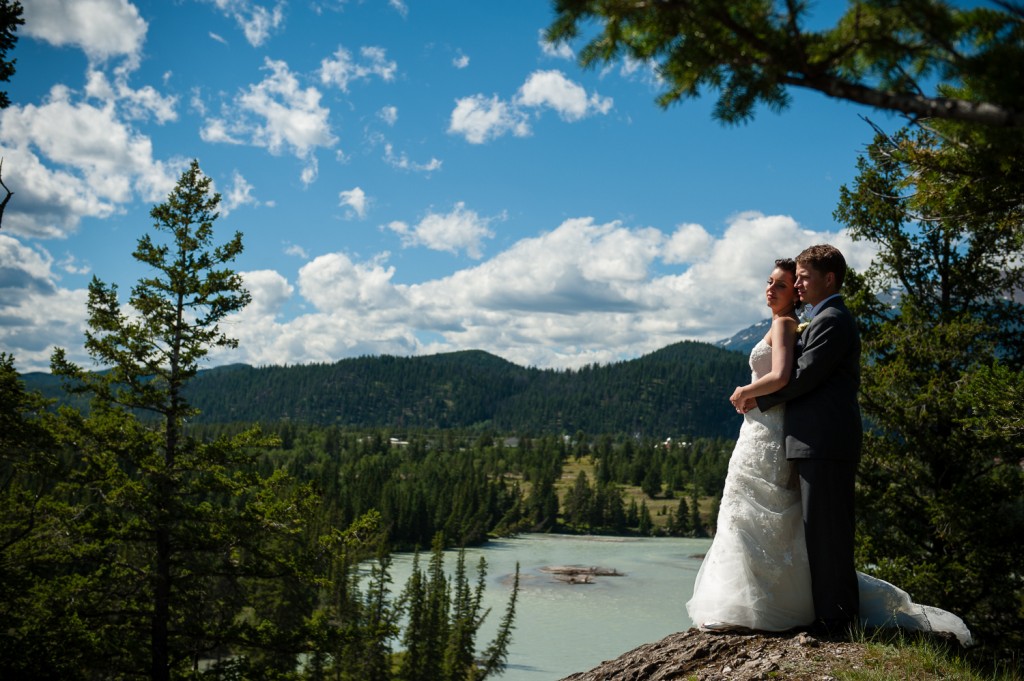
<point x="783" y="555"/>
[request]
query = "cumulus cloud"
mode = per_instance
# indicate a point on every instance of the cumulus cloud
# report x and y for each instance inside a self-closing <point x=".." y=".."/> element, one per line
<point x="36" y="314"/>
<point x="239" y="193"/>
<point x="340" y="70"/>
<point x="101" y="28"/>
<point x="461" y="61"/>
<point x="402" y="161"/>
<point x="76" y="160"/>
<point x="560" y="50"/>
<point x="136" y="104"/>
<point x="269" y="290"/>
<point x="256" y="21"/>
<point x="355" y="199"/>
<point x="480" y="119"/>
<point x="333" y="282"/>
<point x="584" y="292"/>
<point x="278" y="115"/>
<point x="552" y="89"/>
<point x="688" y="244"/>
<point x="459" y="230"/>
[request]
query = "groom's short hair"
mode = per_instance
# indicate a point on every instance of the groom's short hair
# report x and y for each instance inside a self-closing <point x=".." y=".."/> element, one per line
<point x="825" y="258"/>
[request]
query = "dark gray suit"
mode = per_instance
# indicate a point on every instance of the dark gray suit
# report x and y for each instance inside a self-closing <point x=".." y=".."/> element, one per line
<point x="823" y="436"/>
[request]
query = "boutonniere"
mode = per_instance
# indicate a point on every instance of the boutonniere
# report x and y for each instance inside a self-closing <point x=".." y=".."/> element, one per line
<point x="804" y="318"/>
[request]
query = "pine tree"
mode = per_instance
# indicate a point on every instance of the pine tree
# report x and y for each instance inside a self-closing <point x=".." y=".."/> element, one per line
<point x="186" y="522"/>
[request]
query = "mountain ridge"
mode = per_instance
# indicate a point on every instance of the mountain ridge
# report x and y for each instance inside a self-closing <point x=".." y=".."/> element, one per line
<point x="678" y="390"/>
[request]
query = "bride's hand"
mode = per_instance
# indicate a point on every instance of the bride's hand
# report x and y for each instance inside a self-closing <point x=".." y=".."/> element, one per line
<point x="738" y="398"/>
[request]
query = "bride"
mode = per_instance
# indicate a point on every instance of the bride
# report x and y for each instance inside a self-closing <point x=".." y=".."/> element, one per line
<point x="756" y="573"/>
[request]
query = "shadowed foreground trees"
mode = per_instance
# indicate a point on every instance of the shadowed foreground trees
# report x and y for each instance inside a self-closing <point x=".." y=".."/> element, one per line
<point x="133" y="547"/>
<point x="941" y="488"/>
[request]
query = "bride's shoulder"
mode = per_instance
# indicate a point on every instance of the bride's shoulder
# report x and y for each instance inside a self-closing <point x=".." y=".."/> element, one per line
<point x="785" y="323"/>
<point x="783" y="329"/>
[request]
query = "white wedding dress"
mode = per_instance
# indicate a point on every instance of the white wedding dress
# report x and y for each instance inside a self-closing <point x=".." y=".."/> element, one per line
<point x="755" y="574"/>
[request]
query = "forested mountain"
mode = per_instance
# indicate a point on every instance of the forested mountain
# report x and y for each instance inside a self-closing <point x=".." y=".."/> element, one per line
<point x="681" y="389"/>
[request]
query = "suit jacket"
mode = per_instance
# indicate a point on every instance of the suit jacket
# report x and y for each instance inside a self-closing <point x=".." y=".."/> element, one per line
<point x="822" y="418"/>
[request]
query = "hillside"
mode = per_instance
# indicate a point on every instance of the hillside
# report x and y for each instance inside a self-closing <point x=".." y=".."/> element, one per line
<point x="681" y="389"/>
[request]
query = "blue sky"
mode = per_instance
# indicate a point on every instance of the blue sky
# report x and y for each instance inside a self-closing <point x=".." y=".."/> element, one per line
<point x="410" y="176"/>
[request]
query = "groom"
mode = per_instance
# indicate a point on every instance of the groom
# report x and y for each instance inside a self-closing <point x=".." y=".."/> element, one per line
<point x="823" y="434"/>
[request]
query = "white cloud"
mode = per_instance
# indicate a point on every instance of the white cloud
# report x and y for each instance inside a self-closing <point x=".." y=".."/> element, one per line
<point x="389" y="114"/>
<point x="291" y="116"/>
<point x="459" y="230"/>
<point x="342" y="70"/>
<point x="277" y="114"/>
<point x="688" y="244"/>
<point x="399" y="6"/>
<point x="36" y="314"/>
<point x="560" y="50"/>
<point x="296" y="250"/>
<point x="332" y="282"/>
<point x="402" y="161"/>
<point x="554" y="90"/>
<point x="76" y="160"/>
<point x="479" y="119"/>
<point x="217" y="130"/>
<point x="269" y="291"/>
<point x="461" y="61"/>
<point x="310" y="172"/>
<point x="355" y="199"/>
<point x="100" y="28"/>
<point x="256" y="21"/>
<point x="139" y="104"/>
<point x="584" y="292"/>
<point x="239" y="193"/>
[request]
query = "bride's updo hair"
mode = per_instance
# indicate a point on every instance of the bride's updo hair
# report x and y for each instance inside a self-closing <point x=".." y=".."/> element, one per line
<point x="788" y="265"/>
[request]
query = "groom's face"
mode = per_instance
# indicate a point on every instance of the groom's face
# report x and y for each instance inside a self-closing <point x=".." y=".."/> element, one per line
<point x="814" y="286"/>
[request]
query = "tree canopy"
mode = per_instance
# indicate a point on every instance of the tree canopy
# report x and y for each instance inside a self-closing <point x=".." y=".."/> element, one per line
<point x="885" y="54"/>
<point x="10" y="19"/>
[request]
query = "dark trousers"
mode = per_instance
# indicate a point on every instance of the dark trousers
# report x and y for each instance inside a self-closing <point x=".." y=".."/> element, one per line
<point x="827" y="492"/>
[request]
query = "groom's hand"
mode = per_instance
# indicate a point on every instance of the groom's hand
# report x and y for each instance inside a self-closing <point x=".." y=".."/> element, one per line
<point x="742" y="403"/>
<point x="746" y="405"/>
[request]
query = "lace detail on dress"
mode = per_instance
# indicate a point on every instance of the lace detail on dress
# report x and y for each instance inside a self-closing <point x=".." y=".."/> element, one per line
<point x="756" y="574"/>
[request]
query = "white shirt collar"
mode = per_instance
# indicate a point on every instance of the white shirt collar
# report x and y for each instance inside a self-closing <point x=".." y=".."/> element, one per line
<point x="821" y="304"/>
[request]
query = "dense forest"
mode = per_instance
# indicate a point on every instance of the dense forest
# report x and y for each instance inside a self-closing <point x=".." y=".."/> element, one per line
<point x="680" y="390"/>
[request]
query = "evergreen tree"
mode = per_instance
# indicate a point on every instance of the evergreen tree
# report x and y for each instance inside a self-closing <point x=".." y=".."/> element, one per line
<point x="651" y="484"/>
<point x="680" y="520"/>
<point x="696" y="525"/>
<point x="444" y="618"/>
<point x="186" y="523"/>
<point x="646" y="526"/>
<point x="942" y="362"/>
<point x="579" y="502"/>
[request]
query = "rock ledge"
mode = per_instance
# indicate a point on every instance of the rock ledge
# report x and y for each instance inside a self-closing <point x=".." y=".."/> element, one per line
<point x="694" y="655"/>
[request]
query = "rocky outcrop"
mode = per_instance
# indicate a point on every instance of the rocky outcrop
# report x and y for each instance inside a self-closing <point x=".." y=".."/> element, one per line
<point x="694" y="655"/>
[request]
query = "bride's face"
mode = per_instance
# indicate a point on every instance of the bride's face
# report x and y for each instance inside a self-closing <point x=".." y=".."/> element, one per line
<point x="780" y="291"/>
